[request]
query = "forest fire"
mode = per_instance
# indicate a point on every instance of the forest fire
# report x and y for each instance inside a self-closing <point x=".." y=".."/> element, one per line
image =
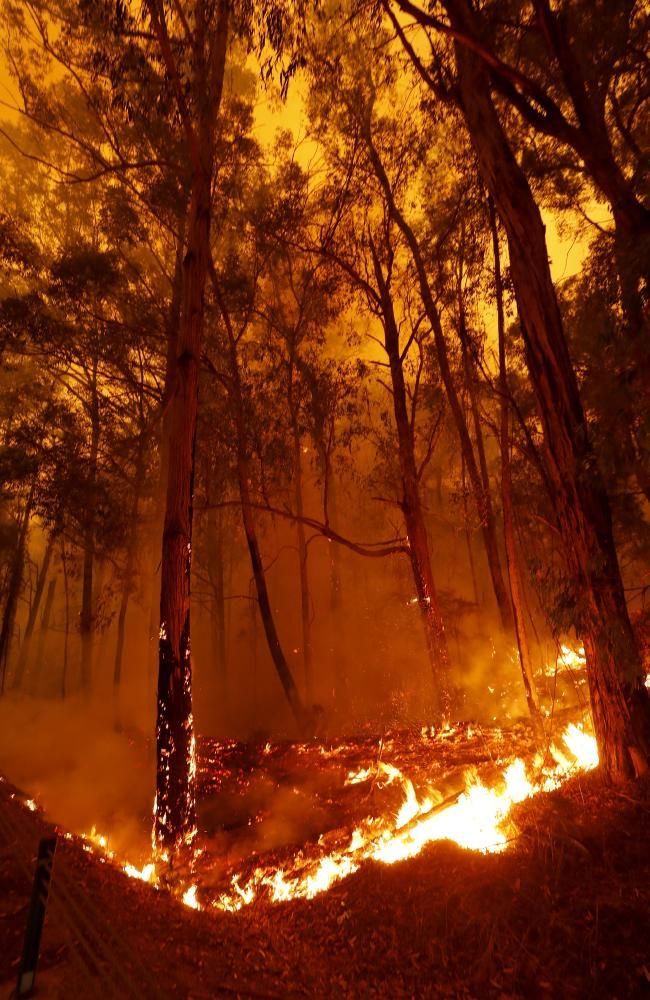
<point x="476" y="818"/>
<point x="324" y="478"/>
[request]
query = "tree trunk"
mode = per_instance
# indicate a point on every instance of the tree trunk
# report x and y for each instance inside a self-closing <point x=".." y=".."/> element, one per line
<point x="175" y="811"/>
<point x="215" y="554"/>
<point x="129" y="568"/>
<point x="455" y="405"/>
<point x="305" y="597"/>
<point x="302" y="717"/>
<point x="620" y="703"/>
<point x="512" y="559"/>
<point x="66" y="627"/>
<point x="86" y="622"/>
<point x="14" y="583"/>
<point x="431" y="614"/>
<point x="335" y="588"/>
<point x="19" y="674"/>
<point x="172" y="325"/>
<point x="488" y="526"/>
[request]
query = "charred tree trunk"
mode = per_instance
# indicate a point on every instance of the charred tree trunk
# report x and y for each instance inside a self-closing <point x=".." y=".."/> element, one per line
<point x="420" y="556"/>
<point x="14" y="582"/>
<point x="19" y="674"/>
<point x="512" y="559"/>
<point x="175" y="812"/>
<point x="172" y="326"/>
<point x="86" y="622"/>
<point x="620" y="702"/>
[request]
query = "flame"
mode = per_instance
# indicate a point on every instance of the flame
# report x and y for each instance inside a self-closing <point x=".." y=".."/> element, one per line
<point x="477" y="820"/>
<point x="568" y="658"/>
<point x="189" y="898"/>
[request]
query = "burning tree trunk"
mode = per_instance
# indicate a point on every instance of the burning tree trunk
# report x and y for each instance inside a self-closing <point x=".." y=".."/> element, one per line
<point x="512" y="560"/>
<point x="172" y="325"/>
<point x="174" y="813"/>
<point x="432" y="620"/>
<point x="620" y="703"/>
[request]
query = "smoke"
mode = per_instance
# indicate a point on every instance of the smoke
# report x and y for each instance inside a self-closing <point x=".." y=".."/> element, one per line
<point x="68" y="757"/>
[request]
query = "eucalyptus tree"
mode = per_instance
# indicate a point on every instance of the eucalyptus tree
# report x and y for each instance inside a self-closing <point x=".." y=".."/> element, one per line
<point x="620" y="702"/>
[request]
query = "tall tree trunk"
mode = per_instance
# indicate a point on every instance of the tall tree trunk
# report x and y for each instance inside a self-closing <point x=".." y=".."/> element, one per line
<point x="302" y="717"/>
<point x="468" y="536"/>
<point x="86" y="618"/>
<point x="619" y="699"/>
<point x="512" y="559"/>
<point x="455" y="405"/>
<point x="335" y="590"/>
<point x="283" y="669"/>
<point x="305" y="597"/>
<point x="215" y="554"/>
<point x="175" y="810"/>
<point x="66" y="625"/>
<point x="130" y="565"/>
<point x="19" y="673"/>
<point x="488" y="527"/>
<point x="14" y="582"/>
<point x="431" y="614"/>
<point x="172" y="325"/>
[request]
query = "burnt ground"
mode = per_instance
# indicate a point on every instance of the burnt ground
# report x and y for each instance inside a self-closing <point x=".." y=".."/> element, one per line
<point x="564" y="913"/>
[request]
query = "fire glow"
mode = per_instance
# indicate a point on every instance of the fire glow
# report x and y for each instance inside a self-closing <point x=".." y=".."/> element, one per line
<point x="476" y="819"/>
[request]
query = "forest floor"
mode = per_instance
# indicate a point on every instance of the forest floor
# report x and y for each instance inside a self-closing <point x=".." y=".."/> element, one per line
<point x="562" y="913"/>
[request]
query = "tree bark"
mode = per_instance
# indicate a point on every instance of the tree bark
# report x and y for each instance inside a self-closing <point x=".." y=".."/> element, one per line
<point x="512" y="559"/>
<point x="172" y="325"/>
<point x="620" y="703"/>
<point x="175" y="811"/>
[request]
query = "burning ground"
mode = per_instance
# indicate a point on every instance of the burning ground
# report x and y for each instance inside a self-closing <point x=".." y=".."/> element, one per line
<point x="549" y="900"/>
